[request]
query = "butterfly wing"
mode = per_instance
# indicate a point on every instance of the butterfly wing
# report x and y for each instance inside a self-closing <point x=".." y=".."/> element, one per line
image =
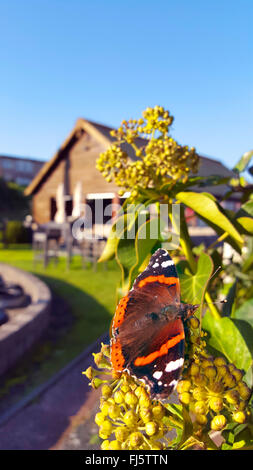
<point x="147" y="342"/>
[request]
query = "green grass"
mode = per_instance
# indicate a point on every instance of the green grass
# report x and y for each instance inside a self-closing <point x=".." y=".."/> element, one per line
<point x="91" y="298"/>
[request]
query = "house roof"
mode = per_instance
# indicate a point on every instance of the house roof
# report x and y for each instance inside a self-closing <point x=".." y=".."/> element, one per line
<point x="102" y="134"/>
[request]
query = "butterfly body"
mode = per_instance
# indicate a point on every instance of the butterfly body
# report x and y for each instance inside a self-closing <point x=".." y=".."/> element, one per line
<point x="147" y="331"/>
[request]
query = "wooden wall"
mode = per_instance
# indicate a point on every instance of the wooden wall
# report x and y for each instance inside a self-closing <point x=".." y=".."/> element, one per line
<point x="82" y="167"/>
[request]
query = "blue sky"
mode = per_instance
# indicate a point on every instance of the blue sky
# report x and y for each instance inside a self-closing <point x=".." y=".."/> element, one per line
<point x="109" y="60"/>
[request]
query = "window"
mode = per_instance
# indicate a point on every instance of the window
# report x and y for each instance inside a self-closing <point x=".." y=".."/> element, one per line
<point x="24" y="166"/>
<point x="7" y="164"/>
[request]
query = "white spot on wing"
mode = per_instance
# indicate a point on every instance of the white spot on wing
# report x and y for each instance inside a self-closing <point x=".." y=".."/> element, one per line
<point x="158" y="374"/>
<point x="173" y="365"/>
<point x="167" y="263"/>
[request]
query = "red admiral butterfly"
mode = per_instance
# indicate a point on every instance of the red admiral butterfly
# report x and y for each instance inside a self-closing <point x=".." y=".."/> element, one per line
<point x="147" y="330"/>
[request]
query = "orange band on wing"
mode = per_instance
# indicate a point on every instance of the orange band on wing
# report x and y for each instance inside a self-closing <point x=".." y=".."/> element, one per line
<point x="120" y="312"/>
<point x="117" y="358"/>
<point x="144" y="360"/>
<point x="162" y="279"/>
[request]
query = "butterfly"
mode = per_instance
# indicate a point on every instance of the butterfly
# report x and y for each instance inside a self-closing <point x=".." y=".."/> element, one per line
<point x="148" y="339"/>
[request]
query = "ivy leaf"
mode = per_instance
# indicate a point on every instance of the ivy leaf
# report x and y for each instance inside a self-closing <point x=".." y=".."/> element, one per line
<point x="246" y="223"/>
<point x="146" y="239"/>
<point x="245" y="312"/>
<point x="193" y="286"/>
<point x="206" y="207"/>
<point x="117" y="231"/>
<point x="131" y="253"/>
<point x="243" y="162"/>
<point x="246" y="210"/>
<point x="226" y="339"/>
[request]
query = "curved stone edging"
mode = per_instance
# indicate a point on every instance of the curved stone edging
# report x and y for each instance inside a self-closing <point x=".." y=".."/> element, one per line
<point x="25" y="328"/>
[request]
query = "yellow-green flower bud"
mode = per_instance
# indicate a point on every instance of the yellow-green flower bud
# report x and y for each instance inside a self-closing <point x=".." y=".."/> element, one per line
<point x="130" y="418"/>
<point x="99" y="418"/>
<point x="216" y="404"/>
<point x="220" y="361"/>
<point x="105" y="445"/>
<point x="194" y="369"/>
<point x="185" y="398"/>
<point x="114" y="411"/>
<point x="210" y="372"/>
<point x="239" y="417"/>
<point x="139" y="390"/>
<point x="151" y="428"/>
<point x="200" y="407"/>
<point x="101" y="361"/>
<point x="218" y="423"/>
<point x="90" y="373"/>
<point x="244" y="390"/>
<point x="201" y="419"/>
<point x="125" y="388"/>
<point x="106" y="391"/>
<point x="119" y="397"/>
<point x="131" y="399"/>
<point x="104" y="408"/>
<point x="238" y="374"/>
<point x="144" y="400"/>
<point x="208" y="362"/>
<point x="216" y="387"/>
<point x="183" y="386"/>
<point x="106" y="427"/>
<point x="222" y="370"/>
<point x="229" y="380"/>
<point x="145" y="414"/>
<point x="121" y="433"/>
<point x="158" y="411"/>
<point x="136" y="439"/>
<point x="96" y="382"/>
<point x="199" y="393"/>
<point x="232" y="397"/>
<point x="115" y="445"/>
<point x="201" y="380"/>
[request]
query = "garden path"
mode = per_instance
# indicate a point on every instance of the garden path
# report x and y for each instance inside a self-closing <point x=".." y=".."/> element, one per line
<point x="47" y="418"/>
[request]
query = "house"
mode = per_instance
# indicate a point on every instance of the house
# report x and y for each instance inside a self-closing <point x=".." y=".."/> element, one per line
<point x="19" y="170"/>
<point x="71" y="174"/>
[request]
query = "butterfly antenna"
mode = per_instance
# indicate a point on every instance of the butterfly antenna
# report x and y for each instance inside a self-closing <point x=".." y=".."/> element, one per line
<point x="219" y="267"/>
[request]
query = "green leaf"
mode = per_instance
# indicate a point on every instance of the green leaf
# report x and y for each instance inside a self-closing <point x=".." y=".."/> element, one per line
<point x="226" y="338"/>
<point x="243" y="162"/>
<point x="246" y="209"/>
<point x="245" y="312"/>
<point x="117" y="230"/>
<point x="131" y="253"/>
<point x="193" y="286"/>
<point x="246" y="223"/>
<point x="228" y="307"/>
<point x="207" y="208"/>
<point x="144" y="243"/>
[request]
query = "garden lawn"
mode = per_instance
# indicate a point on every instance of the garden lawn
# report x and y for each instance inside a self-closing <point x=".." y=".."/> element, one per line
<point x="90" y="296"/>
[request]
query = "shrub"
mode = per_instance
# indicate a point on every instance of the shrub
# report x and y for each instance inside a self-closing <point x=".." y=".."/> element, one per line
<point x="16" y="232"/>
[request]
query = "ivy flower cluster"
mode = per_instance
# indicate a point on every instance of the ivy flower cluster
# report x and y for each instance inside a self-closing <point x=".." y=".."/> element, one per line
<point x="158" y="159"/>
<point x="211" y="389"/>
<point x="128" y="419"/>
